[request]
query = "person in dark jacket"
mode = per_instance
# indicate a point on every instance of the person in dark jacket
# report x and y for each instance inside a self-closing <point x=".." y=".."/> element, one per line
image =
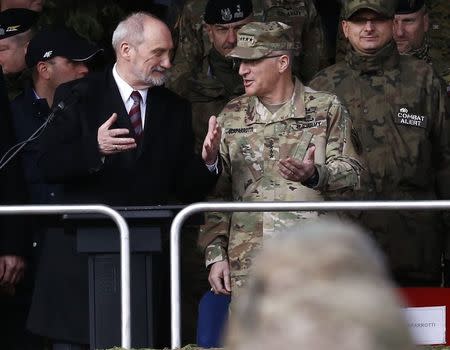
<point x="126" y="140"/>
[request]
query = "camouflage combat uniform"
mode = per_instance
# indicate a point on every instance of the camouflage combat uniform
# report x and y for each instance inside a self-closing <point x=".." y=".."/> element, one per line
<point x="398" y="108"/>
<point x="439" y="33"/>
<point x="253" y="141"/>
<point x="193" y="42"/>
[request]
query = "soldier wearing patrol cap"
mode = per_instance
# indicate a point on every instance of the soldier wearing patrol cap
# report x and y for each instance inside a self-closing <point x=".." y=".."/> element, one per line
<point x="282" y="141"/>
<point x="209" y="87"/>
<point x="399" y="109"/>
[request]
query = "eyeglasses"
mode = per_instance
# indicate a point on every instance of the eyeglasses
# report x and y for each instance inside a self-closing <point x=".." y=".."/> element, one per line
<point x="364" y="20"/>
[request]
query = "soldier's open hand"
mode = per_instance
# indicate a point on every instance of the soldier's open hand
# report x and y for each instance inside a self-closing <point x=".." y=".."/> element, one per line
<point x="296" y="170"/>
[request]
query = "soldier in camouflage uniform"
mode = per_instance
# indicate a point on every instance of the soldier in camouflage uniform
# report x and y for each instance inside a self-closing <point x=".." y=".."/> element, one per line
<point x="216" y="81"/>
<point x="281" y="141"/>
<point x="398" y="108"/>
<point x="209" y="88"/>
<point x="301" y="15"/>
<point x="411" y="34"/>
<point x="439" y="33"/>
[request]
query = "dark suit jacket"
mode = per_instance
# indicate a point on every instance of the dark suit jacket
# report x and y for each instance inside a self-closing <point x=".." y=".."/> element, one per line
<point x="14" y="240"/>
<point x="163" y="167"/>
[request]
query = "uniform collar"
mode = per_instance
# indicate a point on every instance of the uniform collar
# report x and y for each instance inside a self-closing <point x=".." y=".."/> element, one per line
<point x="257" y="113"/>
<point x="385" y="59"/>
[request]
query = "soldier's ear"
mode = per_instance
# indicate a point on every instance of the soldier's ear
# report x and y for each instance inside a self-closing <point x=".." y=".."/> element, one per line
<point x="284" y="62"/>
<point x="208" y="29"/>
<point x="345" y="28"/>
<point x="426" y="22"/>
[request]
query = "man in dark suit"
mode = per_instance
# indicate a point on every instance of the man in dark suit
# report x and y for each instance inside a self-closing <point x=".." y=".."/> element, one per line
<point x="115" y="148"/>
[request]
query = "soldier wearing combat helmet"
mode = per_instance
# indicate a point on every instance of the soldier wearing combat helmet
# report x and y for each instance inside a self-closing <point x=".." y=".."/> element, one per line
<point x="282" y="141"/>
<point x="398" y="107"/>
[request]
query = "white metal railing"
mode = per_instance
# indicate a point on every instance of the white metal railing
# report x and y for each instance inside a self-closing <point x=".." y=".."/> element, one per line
<point x="260" y="207"/>
<point x="124" y="248"/>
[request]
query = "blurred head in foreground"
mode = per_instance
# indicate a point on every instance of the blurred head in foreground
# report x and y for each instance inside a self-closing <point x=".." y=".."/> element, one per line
<point x="322" y="288"/>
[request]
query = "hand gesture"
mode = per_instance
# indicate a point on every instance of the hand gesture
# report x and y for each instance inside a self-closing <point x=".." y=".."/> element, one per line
<point x="111" y="141"/>
<point x="212" y="141"/>
<point x="298" y="171"/>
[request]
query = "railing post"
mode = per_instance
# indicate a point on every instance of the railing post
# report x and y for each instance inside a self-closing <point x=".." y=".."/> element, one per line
<point x="124" y="249"/>
<point x="260" y="207"/>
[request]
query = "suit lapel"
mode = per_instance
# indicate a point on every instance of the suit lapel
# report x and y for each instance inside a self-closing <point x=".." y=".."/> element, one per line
<point x="156" y="105"/>
<point x="113" y="104"/>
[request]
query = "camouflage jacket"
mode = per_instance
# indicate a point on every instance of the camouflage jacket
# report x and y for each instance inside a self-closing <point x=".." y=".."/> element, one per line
<point x="439" y="33"/>
<point x="193" y="42"/>
<point x="208" y="93"/>
<point x="253" y="142"/>
<point x="398" y="108"/>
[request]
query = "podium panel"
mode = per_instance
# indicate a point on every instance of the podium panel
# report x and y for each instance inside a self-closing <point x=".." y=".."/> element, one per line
<point x="98" y="237"/>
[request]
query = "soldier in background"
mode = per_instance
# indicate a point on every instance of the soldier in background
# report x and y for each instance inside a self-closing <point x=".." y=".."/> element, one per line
<point x="310" y="55"/>
<point x="398" y="108"/>
<point x="319" y="287"/>
<point x="412" y="34"/>
<point x="439" y="33"/>
<point x="411" y="25"/>
<point x="216" y="80"/>
<point x="281" y="141"/>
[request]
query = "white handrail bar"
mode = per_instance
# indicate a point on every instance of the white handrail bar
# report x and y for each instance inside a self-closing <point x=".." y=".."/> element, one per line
<point x="124" y="248"/>
<point x="259" y="207"/>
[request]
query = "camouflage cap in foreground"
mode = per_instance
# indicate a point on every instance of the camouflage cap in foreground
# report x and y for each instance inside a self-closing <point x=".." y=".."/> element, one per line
<point x="383" y="7"/>
<point x="257" y="40"/>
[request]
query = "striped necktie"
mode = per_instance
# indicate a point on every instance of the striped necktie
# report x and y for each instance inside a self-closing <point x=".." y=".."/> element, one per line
<point x="135" y="114"/>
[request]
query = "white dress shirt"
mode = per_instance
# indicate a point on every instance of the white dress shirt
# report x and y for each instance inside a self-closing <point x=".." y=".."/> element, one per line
<point x="125" y="92"/>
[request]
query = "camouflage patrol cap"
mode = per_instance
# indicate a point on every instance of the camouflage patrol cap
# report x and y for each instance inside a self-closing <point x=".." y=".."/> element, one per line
<point x="227" y="11"/>
<point x="256" y="40"/>
<point x="383" y="7"/>
<point x="405" y="7"/>
<point x="15" y="21"/>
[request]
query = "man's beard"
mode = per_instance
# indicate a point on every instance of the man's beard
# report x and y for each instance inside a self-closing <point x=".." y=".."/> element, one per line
<point x="155" y="81"/>
<point x="158" y="81"/>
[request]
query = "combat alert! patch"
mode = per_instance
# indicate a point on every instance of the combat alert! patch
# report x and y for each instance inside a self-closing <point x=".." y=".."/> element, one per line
<point x="409" y="118"/>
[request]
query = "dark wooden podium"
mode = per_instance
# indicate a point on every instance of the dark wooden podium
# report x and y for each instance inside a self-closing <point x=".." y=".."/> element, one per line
<point x="98" y="236"/>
